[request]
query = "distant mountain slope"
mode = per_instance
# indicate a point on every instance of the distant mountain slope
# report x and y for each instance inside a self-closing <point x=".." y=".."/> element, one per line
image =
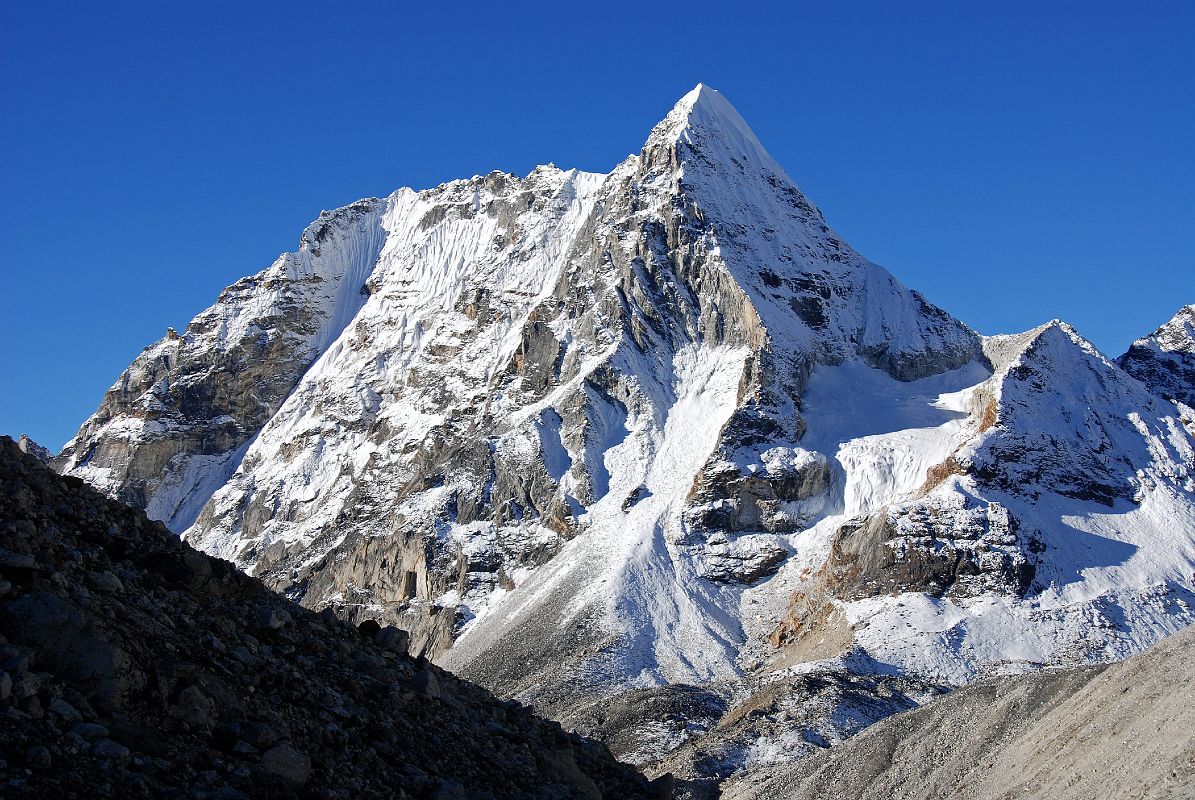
<point x="175" y="425"/>
<point x="1165" y="362"/>
<point x="1125" y="731"/>
<point x="134" y="666"/>
<point x="1066" y="499"/>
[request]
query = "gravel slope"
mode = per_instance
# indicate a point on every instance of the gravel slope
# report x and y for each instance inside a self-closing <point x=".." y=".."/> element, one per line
<point x="134" y="666"/>
<point x="1124" y="731"/>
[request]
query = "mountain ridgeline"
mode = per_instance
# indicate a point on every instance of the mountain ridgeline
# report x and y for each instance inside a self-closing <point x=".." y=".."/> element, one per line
<point x="659" y="445"/>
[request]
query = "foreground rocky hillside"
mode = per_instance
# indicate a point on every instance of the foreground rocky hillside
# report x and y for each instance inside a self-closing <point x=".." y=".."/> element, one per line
<point x="659" y="453"/>
<point x="1125" y="731"/>
<point x="134" y="666"/>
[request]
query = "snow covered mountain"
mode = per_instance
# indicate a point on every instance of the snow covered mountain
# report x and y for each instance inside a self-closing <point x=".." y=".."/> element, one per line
<point x="1165" y="360"/>
<point x="661" y="439"/>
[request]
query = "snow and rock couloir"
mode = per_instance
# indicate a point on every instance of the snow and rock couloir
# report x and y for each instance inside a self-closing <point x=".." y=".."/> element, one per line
<point x="585" y="433"/>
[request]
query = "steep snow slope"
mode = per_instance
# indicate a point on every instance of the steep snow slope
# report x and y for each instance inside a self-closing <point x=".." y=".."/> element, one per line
<point x="174" y="426"/>
<point x="973" y="525"/>
<point x="1059" y="530"/>
<point x="1165" y="362"/>
<point x="708" y="199"/>
<point x="591" y="434"/>
<point x="476" y="254"/>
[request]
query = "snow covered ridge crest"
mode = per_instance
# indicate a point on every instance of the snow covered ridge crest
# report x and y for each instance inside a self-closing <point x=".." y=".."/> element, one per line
<point x="583" y="434"/>
<point x="1165" y="360"/>
<point x="1068" y="496"/>
<point x="174" y="425"/>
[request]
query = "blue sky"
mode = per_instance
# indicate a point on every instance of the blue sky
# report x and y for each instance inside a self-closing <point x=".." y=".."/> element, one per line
<point x="1015" y="162"/>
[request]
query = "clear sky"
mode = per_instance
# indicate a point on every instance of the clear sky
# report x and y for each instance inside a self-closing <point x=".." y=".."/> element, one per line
<point x="1015" y="161"/>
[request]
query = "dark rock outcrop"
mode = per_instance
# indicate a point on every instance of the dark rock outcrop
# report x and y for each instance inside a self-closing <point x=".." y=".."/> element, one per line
<point x="931" y="547"/>
<point x="132" y="665"/>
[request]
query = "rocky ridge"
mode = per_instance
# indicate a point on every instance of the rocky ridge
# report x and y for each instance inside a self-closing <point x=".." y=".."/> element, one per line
<point x="132" y="665"/>
<point x="176" y="422"/>
<point x="34" y="449"/>
<point x="1165" y="362"/>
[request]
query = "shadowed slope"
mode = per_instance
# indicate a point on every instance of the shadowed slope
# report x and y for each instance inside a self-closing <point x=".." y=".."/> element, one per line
<point x="134" y="666"/>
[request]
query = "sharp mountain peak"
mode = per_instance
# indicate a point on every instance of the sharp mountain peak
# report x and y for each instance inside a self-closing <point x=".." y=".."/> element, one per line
<point x="580" y="433"/>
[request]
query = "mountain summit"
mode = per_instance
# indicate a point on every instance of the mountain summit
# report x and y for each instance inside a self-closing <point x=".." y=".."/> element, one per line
<point x="705" y="117"/>
<point x="1165" y="360"/>
<point x="659" y="439"/>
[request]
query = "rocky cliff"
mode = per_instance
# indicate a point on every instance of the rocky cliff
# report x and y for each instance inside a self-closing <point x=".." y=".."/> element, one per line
<point x="34" y="449"/>
<point x="175" y="425"/>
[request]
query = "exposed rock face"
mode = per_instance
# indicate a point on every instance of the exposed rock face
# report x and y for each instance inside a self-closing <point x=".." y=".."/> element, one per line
<point x="134" y="666"/>
<point x="1165" y="360"/>
<point x="1123" y="731"/>
<point x="783" y="718"/>
<point x="936" y="547"/>
<point x="727" y="498"/>
<point x="643" y="724"/>
<point x="173" y="427"/>
<point x="34" y="449"/>
<point x="583" y="435"/>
